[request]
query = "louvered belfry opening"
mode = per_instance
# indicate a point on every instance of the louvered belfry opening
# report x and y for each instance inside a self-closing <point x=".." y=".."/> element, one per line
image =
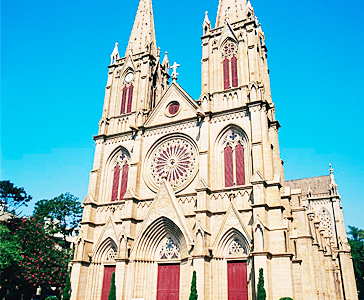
<point x="232" y="177"/>
<point x="126" y="106"/>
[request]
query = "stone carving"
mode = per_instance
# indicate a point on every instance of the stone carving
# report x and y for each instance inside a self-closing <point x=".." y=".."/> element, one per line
<point x="170" y="249"/>
<point x="236" y="248"/>
<point x="325" y="220"/>
<point x="111" y="255"/>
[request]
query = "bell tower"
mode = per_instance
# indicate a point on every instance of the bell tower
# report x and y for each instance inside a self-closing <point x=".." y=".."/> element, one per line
<point x="137" y="81"/>
<point x="234" y="58"/>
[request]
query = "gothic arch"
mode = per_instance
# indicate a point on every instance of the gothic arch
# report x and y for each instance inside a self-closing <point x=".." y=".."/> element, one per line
<point x="120" y="157"/>
<point x="235" y="138"/>
<point x="149" y="244"/>
<point x="232" y="244"/>
<point x="106" y="252"/>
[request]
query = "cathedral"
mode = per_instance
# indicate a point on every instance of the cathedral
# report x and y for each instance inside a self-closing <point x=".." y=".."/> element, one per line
<point x="181" y="185"/>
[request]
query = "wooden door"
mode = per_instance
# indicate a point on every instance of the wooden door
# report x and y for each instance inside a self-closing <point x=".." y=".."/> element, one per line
<point x="108" y="270"/>
<point x="168" y="282"/>
<point x="237" y="281"/>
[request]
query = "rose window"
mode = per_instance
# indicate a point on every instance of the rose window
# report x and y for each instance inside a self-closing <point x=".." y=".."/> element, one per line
<point x="175" y="160"/>
<point x="229" y="49"/>
<point x="169" y="250"/>
<point x="111" y="255"/>
<point x="236" y="248"/>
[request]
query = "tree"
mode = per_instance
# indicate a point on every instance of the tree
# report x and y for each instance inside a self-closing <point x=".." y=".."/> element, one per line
<point x="63" y="213"/>
<point x="357" y="252"/>
<point x="10" y="257"/>
<point x="12" y="197"/>
<point x="261" y="291"/>
<point x="44" y="263"/>
<point x="112" y="293"/>
<point x="67" y="289"/>
<point x="193" y="294"/>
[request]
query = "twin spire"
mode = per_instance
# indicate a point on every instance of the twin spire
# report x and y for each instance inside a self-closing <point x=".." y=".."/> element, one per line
<point x="142" y="38"/>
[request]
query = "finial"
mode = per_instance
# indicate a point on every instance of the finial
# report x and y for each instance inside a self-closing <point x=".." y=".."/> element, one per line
<point x="159" y="52"/>
<point x="174" y="68"/>
<point x="115" y="54"/>
<point x="333" y="185"/>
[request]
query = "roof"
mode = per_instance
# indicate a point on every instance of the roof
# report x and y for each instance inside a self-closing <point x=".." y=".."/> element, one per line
<point x="318" y="185"/>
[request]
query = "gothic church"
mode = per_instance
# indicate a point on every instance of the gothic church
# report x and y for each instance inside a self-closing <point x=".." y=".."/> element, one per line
<point x="181" y="185"/>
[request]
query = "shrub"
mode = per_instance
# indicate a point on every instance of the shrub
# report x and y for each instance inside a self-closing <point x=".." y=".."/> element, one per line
<point x="51" y="298"/>
<point x="193" y="294"/>
<point x="261" y="291"/>
<point x="286" y="298"/>
<point x="67" y="289"/>
<point x="112" y="293"/>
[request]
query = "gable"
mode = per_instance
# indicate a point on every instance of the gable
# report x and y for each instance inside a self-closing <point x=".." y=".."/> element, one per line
<point x="187" y="107"/>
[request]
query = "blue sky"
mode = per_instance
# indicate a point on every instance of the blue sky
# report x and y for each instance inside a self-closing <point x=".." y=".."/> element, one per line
<point x="54" y="58"/>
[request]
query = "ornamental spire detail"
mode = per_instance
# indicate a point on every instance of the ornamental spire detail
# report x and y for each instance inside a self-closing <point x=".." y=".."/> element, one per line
<point x="232" y="10"/>
<point x="142" y="38"/>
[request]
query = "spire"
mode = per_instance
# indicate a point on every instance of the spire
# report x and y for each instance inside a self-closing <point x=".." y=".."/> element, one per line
<point x="233" y="10"/>
<point x="142" y="38"/>
<point x="333" y="185"/>
<point x="115" y="54"/>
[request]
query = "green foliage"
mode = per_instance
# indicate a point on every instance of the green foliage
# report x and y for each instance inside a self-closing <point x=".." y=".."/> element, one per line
<point x="67" y="289"/>
<point x="112" y="293"/>
<point x="9" y="249"/>
<point x="356" y="242"/>
<point x="44" y="263"/>
<point x="51" y="298"/>
<point x="63" y="213"/>
<point x="12" y="197"/>
<point x="286" y="298"/>
<point x="261" y="294"/>
<point x="193" y="294"/>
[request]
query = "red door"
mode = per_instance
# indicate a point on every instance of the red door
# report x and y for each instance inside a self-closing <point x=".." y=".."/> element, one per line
<point x="108" y="270"/>
<point x="168" y="282"/>
<point x="237" y="281"/>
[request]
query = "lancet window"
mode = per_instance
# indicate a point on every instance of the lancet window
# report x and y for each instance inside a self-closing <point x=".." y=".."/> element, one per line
<point x="169" y="249"/>
<point x="127" y="99"/>
<point x="230" y="64"/>
<point x="120" y="180"/>
<point x="234" y="162"/>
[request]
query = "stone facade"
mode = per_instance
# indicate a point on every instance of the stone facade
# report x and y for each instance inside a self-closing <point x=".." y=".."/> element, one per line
<point x="200" y="183"/>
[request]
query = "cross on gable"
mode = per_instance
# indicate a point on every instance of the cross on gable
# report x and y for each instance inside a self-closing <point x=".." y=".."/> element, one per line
<point x="174" y="68"/>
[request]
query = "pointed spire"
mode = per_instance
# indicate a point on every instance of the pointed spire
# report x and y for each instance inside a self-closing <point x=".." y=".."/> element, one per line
<point x="206" y="23"/>
<point x="333" y="185"/>
<point x="233" y="10"/>
<point x="142" y="38"/>
<point x="165" y="62"/>
<point x="115" y="54"/>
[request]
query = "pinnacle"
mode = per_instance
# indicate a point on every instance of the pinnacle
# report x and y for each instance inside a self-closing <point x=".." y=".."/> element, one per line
<point x="233" y="10"/>
<point x="142" y="38"/>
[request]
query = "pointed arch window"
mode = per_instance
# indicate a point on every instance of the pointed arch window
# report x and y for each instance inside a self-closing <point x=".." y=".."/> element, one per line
<point x="234" y="160"/>
<point x="120" y="179"/>
<point x="230" y="65"/>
